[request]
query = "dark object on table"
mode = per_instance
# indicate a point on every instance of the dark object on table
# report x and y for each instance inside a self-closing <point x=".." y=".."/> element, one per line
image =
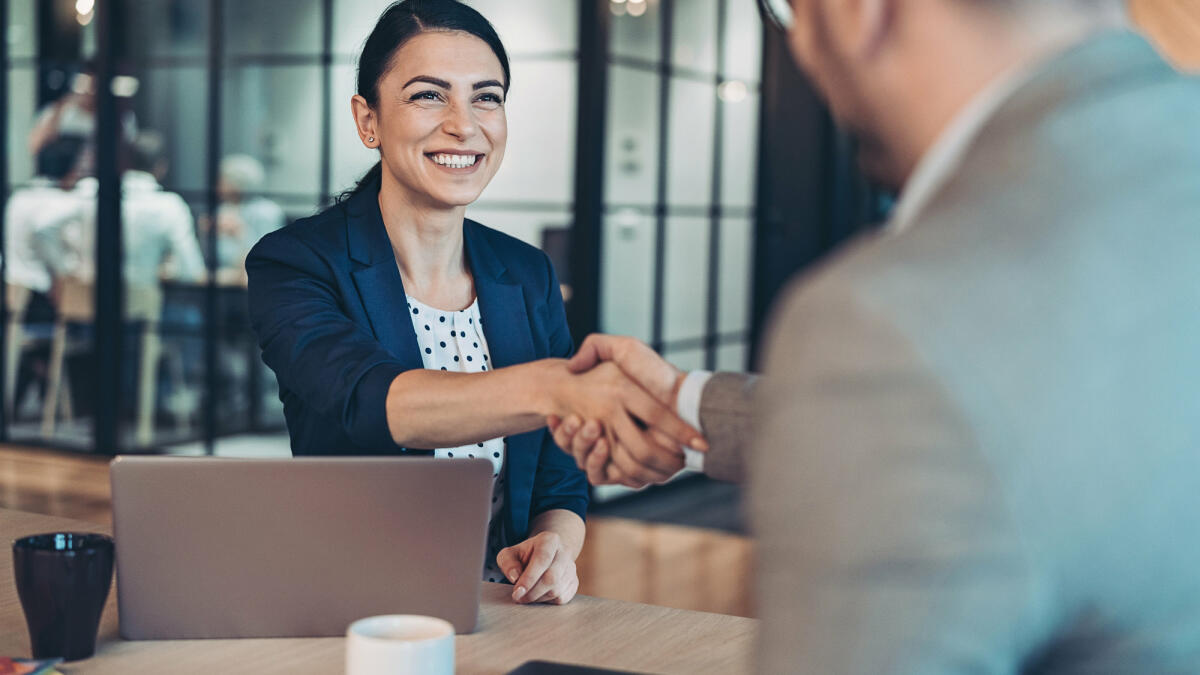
<point x="63" y="581"/>
<point x="550" y="668"/>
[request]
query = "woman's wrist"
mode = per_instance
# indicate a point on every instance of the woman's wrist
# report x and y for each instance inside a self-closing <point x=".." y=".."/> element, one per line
<point x="564" y="524"/>
<point x="545" y="384"/>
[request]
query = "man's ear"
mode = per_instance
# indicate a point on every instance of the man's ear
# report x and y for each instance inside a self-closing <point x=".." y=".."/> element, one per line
<point x="875" y="23"/>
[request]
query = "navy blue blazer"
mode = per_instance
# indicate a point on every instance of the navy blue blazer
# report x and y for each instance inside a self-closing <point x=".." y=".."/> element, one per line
<point x="329" y="310"/>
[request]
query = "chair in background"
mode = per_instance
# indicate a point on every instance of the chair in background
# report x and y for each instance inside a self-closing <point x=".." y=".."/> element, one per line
<point x="76" y="306"/>
<point x="14" y="341"/>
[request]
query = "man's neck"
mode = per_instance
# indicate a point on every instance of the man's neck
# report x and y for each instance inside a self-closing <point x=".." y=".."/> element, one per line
<point x="959" y="69"/>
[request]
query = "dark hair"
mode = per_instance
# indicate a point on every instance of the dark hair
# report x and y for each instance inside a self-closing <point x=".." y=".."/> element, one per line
<point x="401" y="22"/>
<point x="57" y="158"/>
<point x="146" y="151"/>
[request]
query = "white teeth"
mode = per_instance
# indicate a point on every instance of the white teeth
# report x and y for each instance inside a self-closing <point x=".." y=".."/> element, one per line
<point x="454" y="161"/>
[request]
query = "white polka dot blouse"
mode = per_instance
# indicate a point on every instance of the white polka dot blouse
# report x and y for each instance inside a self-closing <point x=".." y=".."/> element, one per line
<point x="454" y="341"/>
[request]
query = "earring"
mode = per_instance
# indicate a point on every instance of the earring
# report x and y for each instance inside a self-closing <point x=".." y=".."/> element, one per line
<point x="371" y="139"/>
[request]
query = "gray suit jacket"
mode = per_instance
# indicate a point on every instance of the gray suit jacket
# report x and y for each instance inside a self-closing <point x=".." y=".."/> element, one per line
<point x="978" y="441"/>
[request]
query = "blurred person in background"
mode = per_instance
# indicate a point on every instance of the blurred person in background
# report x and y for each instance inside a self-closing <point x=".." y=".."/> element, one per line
<point x="32" y="212"/>
<point x="73" y="116"/>
<point x="158" y="230"/>
<point x="42" y="204"/>
<point x="977" y="439"/>
<point x="158" y="244"/>
<point x="243" y="217"/>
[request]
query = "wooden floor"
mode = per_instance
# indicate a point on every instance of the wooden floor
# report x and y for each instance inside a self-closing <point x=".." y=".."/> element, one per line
<point x="668" y="565"/>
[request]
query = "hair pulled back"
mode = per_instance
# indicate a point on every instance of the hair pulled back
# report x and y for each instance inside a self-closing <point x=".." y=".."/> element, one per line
<point x="401" y="22"/>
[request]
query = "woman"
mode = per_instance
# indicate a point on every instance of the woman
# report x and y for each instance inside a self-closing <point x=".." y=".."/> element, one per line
<point x="392" y="323"/>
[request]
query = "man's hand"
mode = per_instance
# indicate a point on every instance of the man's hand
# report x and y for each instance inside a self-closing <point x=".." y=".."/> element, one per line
<point x="541" y="568"/>
<point x="638" y="361"/>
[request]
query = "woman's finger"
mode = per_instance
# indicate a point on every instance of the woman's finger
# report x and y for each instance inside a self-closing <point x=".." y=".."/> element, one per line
<point x="585" y="440"/>
<point x="539" y="561"/>
<point x="613" y="474"/>
<point x="565" y="432"/>
<point x="509" y="561"/>
<point x="562" y="439"/>
<point x="566" y="595"/>
<point x="548" y="596"/>
<point x="570" y="425"/>
<point x="597" y="463"/>
<point x="555" y="577"/>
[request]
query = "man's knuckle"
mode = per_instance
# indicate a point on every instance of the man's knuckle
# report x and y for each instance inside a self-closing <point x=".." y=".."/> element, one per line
<point x="641" y="453"/>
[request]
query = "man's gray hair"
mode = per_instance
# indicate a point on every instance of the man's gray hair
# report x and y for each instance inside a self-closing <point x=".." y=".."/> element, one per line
<point x="243" y="172"/>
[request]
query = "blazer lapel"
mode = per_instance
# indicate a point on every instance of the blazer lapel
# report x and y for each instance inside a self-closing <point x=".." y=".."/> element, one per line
<point x="501" y="304"/>
<point x="378" y="279"/>
<point x="505" y="323"/>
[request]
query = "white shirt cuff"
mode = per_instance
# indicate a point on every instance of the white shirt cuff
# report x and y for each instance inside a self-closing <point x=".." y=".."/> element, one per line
<point x="687" y="405"/>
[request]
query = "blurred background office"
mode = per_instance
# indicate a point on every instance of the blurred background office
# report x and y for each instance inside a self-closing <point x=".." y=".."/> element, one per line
<point x="632" y="161"/>
<point x="148" y="144"/>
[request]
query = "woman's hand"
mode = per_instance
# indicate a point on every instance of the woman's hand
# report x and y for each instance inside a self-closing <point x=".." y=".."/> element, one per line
<point x="541" y="568"/>
<point x="587" y="443"/>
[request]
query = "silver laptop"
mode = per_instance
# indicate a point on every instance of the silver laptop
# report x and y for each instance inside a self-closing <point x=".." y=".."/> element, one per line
<point x="248" y="548"/>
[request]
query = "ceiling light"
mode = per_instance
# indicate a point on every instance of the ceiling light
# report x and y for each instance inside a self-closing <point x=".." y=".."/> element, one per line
<point x="124" y="86"/>
<point x="733" y="91"/>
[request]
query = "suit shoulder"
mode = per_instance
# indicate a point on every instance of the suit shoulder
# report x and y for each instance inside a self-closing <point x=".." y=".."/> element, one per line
<point x="509" y="246"/>
<point x="323" y="233"/>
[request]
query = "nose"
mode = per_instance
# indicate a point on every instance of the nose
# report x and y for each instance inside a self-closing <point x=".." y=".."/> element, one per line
<point x="460" y="121"/>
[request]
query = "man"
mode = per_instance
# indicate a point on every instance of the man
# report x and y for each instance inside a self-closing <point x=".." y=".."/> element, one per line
<point x="242" y="218"/>
<point x="977" y="441"/>
<point x="157" y="226"/>
<point x="31" y="208"/>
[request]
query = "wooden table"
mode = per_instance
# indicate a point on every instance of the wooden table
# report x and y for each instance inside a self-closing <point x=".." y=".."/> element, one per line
<point x="590" y="631"/>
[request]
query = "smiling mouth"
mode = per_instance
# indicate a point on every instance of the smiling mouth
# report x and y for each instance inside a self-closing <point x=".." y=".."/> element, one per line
<point x="454" y="161"/>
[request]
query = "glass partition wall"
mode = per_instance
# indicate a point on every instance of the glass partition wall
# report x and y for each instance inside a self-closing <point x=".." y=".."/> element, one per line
<point x="680" y="161"/>
<point x="227" y="119"/>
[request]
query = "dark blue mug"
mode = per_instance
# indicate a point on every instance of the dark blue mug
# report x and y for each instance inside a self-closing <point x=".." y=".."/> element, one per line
<point x="63" y="580"/>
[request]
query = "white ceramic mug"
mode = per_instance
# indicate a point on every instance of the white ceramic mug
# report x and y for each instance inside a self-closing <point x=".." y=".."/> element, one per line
<point x="400" y="643"/>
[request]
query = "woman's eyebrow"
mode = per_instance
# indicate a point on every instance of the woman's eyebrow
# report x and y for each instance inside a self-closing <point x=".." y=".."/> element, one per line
<point x="430" y="80"/>
<point x="488" y="83"/>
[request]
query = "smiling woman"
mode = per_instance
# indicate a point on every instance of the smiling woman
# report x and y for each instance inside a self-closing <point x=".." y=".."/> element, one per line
<point x="407" y="99"/>
<point x="396" y="326"/>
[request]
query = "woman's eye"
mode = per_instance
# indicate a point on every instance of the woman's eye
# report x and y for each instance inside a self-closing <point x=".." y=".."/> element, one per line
<point x="426" y="96"/>
<point x="489" y="99"/>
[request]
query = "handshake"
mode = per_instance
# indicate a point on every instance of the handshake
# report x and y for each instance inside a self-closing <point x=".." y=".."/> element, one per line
<point x="618" y="418"/>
